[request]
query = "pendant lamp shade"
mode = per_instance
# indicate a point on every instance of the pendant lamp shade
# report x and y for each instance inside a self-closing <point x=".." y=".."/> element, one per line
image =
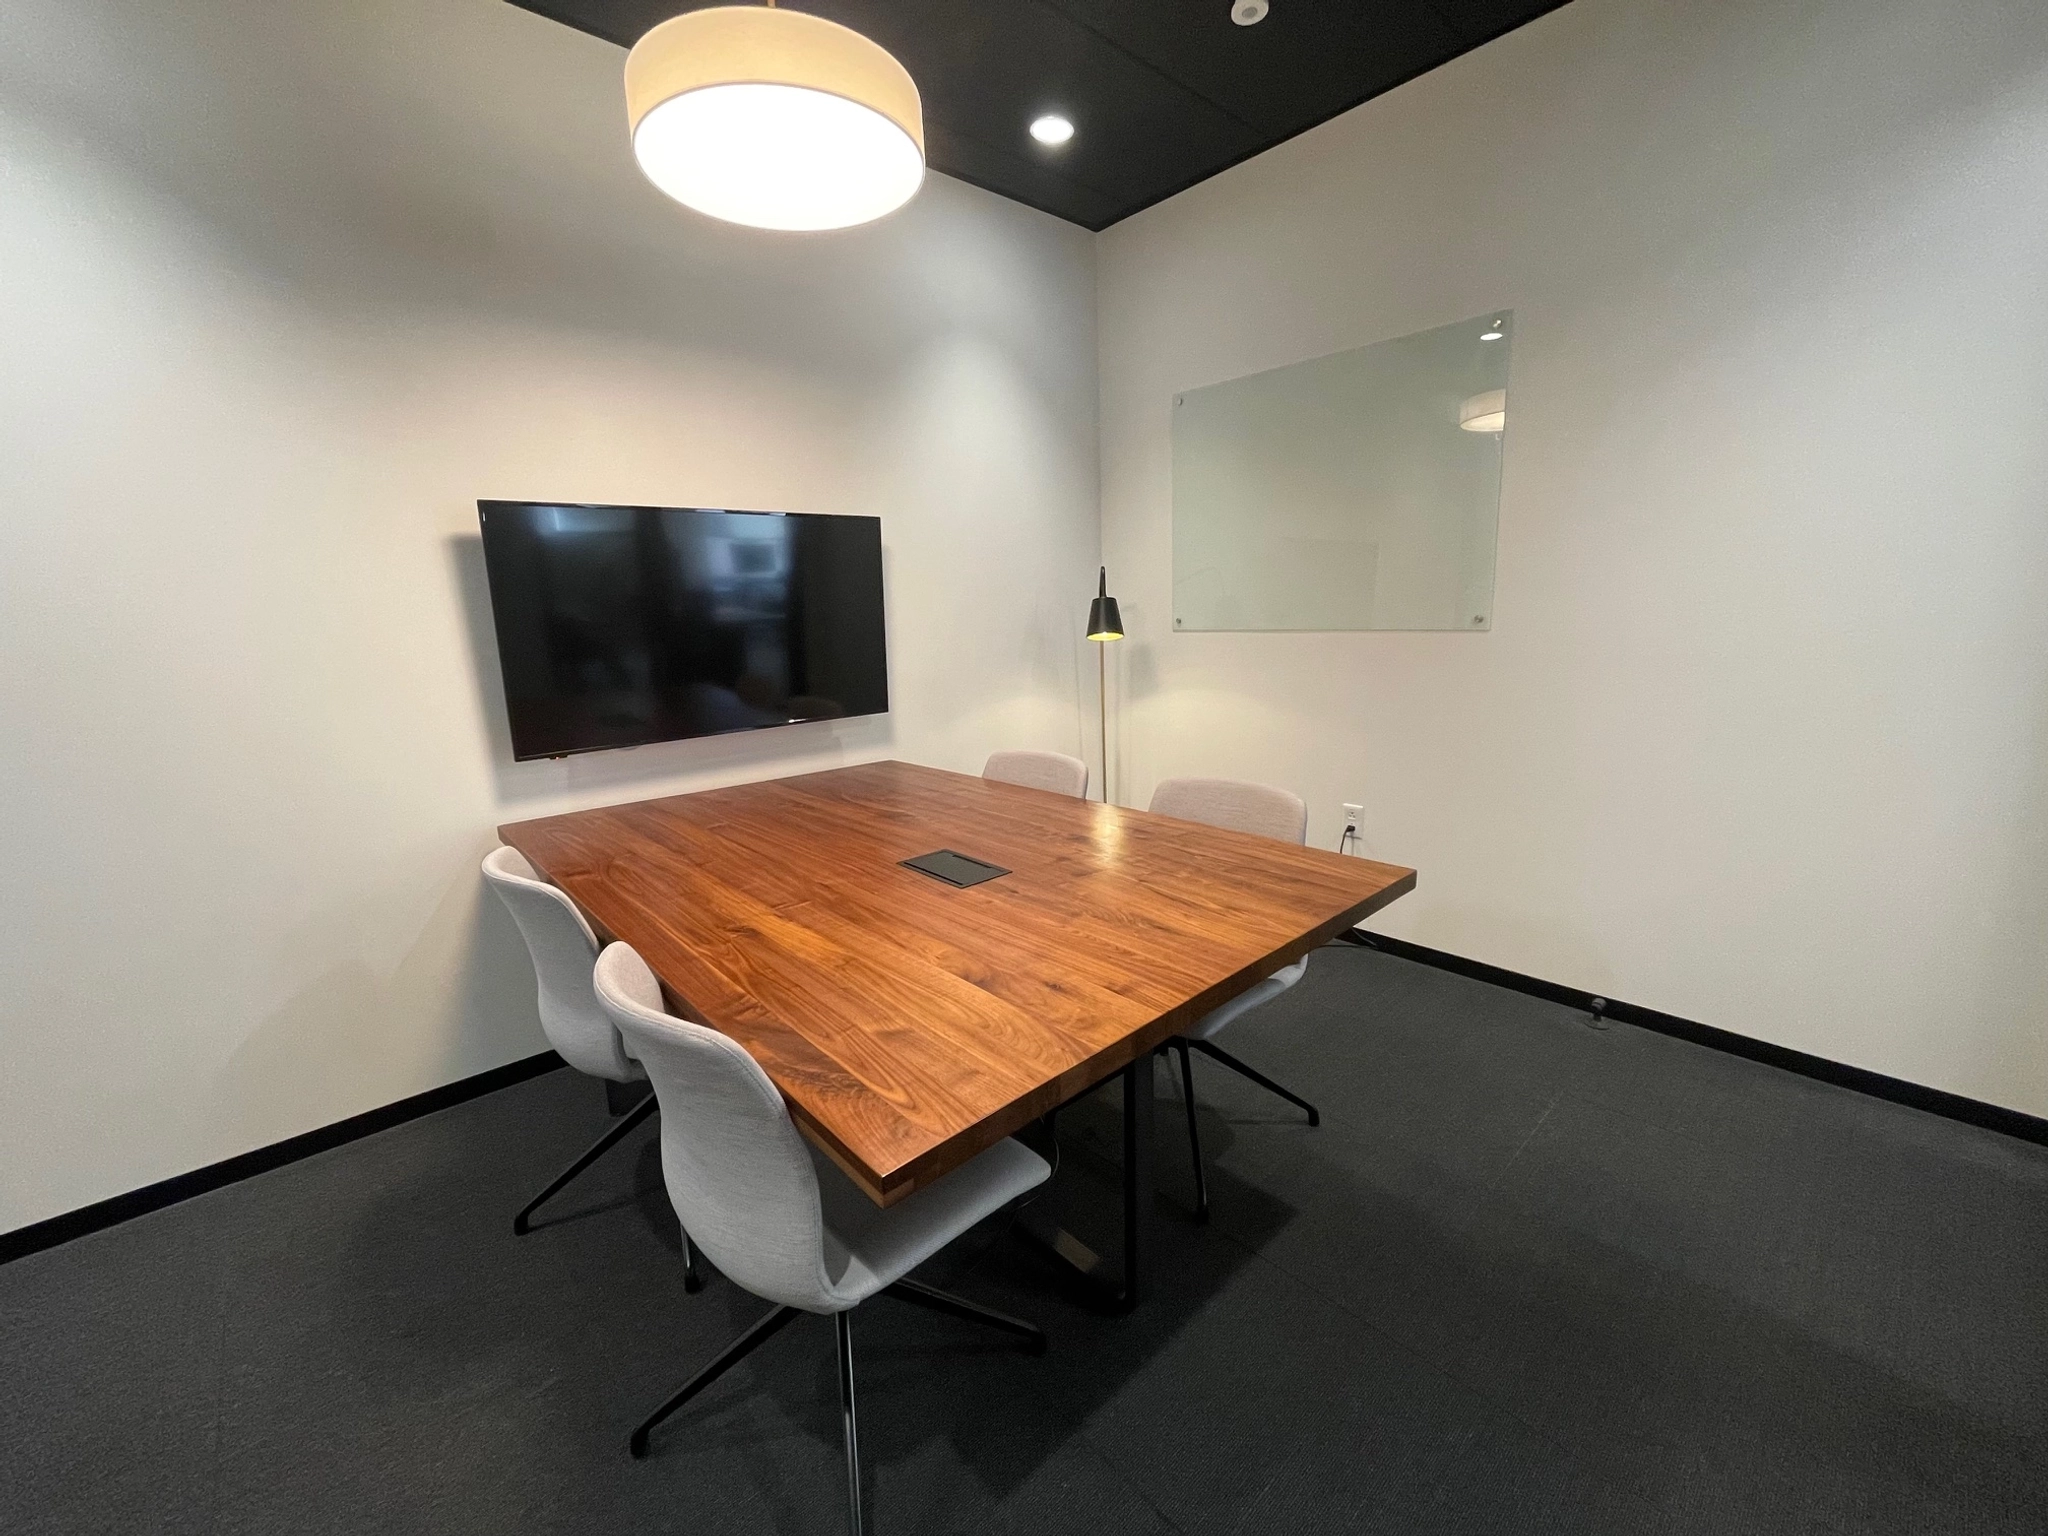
<point x="1104" y="622"/>
<point x="774" y="118"/>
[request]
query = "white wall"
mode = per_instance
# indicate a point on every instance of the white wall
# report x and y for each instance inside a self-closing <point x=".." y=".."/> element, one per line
<point x="285" y="286"/>
<point x="1760" y="733"/>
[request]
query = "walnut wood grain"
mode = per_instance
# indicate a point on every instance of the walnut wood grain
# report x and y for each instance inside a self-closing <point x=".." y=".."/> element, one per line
<point x="910" y="1024"/>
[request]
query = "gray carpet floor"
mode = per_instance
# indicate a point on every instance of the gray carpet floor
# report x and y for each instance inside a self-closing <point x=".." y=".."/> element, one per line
<point x="1528" y="1276"/>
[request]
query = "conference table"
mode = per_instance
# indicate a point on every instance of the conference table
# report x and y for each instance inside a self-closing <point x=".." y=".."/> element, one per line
<point x="910" y="1023"/>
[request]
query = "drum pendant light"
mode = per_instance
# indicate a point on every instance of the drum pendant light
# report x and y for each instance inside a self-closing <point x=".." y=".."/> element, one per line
<point x="774" y="118"/>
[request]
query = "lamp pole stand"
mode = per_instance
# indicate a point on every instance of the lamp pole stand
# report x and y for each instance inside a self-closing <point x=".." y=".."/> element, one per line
<point x="1102" y="706"/>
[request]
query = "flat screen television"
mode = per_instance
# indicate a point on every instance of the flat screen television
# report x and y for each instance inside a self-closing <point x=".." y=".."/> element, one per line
<point x="619" y="626"/>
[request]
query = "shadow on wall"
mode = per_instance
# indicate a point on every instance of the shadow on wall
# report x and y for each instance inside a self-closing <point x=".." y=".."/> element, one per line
<point x="292" y="134"/>
<point x="1056" y="656"/>
<point x="352" y="1031"/>
<point x="813" y="744"/>
<point x="1140" y="668"/>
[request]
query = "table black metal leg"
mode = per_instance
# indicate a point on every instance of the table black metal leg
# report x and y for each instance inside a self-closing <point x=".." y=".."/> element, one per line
<point x="1120" y="1292"/>
<point x="1187" y="1093"/>
<point x="1139" y="1081"/>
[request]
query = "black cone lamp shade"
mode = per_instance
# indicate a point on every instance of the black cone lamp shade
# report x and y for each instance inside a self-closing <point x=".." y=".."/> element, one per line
<point x="1104" y="622"/>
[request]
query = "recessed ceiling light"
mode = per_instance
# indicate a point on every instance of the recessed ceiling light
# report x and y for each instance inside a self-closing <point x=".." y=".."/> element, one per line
<point x="1248" y="13"/>
<point x="1052" y="129"/>
<point x="1491" y="333"/>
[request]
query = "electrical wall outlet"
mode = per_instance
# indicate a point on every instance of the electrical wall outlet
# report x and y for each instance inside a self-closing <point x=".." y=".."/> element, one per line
<point x="1352" y="813"/>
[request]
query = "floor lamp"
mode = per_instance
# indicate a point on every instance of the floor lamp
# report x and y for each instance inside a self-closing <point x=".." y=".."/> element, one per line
<point x="1104" y="625"/>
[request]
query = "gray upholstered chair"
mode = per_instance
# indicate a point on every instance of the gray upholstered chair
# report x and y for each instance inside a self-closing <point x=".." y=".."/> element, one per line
<point x="1265" y="812"/>
<point x="1056" y="771"/>
<point x="773" y="1213"/>
<point x="563" y="950"/>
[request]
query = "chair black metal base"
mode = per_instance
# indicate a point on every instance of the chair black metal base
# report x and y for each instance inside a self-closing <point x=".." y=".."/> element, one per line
<point x="918" y="1294"/>
<point x="1187" y="1089"/>
<point x="779" y="1318"/>
<point x="1217" y="1053"/>
<point x="842" y="1332"/>
<point x="523" y="1222"/>
<point x="764" y="1330"/>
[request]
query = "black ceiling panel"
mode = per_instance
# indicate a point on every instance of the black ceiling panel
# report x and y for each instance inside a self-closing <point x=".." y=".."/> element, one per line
<point x="1280" y="75"/>
<point x="1162" y="93"/>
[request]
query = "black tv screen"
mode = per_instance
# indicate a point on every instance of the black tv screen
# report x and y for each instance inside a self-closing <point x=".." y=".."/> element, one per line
<point x="619" y="626"/>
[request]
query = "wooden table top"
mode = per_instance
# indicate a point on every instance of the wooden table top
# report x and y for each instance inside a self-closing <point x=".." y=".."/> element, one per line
<point x="911" y="1024"/>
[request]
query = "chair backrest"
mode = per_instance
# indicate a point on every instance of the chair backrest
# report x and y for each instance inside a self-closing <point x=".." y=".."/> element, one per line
<point x="563" y="950"/>
<point x="1235" y="805"/>
<point x="1056" y="771"/>
<point x="737" y="1170"/>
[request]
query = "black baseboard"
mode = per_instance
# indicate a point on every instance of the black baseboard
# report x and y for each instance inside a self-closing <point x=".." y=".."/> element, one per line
<point x="154" y="1197"/>
<point x="1991" y="1117"/>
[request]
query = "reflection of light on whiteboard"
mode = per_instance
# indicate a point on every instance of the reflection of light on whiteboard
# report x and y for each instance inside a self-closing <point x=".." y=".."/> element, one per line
<point x="1484" y="412"/>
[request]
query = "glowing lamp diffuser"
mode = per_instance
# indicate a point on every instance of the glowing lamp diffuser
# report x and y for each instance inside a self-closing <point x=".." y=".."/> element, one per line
<point x="774" y="118"/>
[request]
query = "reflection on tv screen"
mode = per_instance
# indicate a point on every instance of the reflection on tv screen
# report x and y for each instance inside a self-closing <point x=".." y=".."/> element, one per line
<point x="624" y="625"/>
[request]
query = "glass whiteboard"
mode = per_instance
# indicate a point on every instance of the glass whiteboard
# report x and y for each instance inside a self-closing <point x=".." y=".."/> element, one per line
<point x="1356" y="491"/>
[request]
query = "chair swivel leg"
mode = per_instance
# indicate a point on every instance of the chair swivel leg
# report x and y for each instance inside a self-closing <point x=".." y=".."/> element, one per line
<point x="843" y="1326"/>
<point x="1258" y="1077"/>
<point x="733" y="1353"/>
<point x="1187" y="1089"/>
<point x="917" y="1293"/>
<point x="522" y="1223"/>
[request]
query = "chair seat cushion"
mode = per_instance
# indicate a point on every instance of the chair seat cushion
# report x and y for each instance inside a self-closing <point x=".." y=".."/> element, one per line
<point x="868" y="1246"/>
<point x="1211" y="1024"/>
